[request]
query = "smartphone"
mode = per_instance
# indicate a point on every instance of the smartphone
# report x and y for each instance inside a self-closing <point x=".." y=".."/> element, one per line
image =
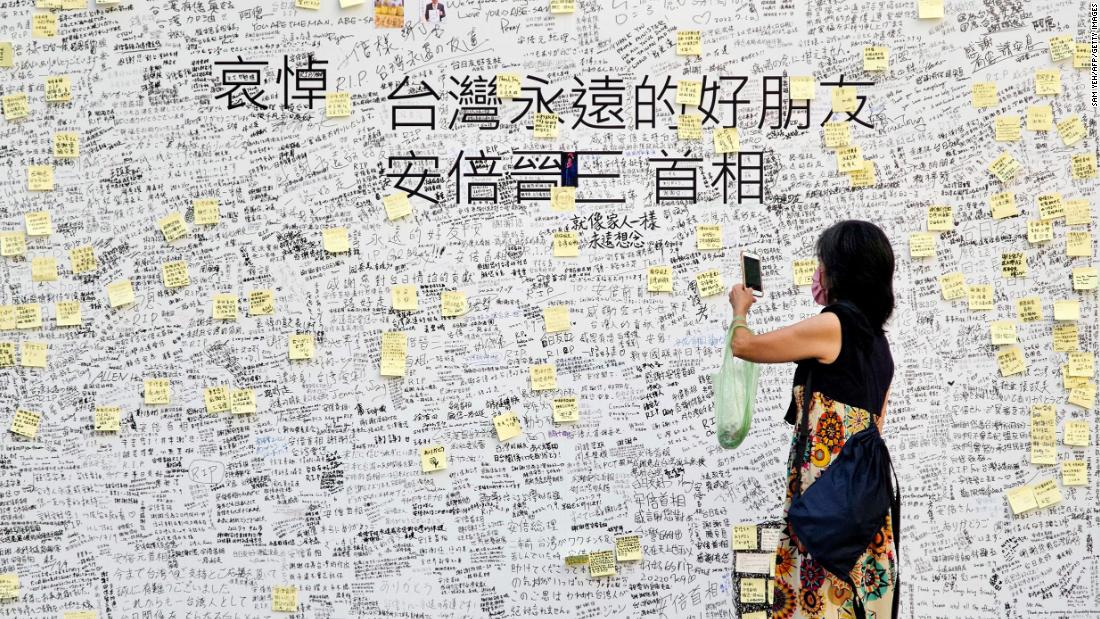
<point x="750" y="269"/>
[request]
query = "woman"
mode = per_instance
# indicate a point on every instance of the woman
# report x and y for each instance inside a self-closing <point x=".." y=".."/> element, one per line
<point x="854" y="283"/>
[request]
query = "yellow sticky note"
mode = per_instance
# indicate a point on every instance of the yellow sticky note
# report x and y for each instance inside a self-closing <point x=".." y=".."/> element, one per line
<point x="566" y="409"/>
<point x="453" y="303"/>
<point x="1067" y="309"/>
<point x="16" y="106"/>
<point x="300" y="346"/>
<point x="40" y="177"/>
<point x="508" y="85"/>
<point x="875" y="58"/>
<point x="32" y="354"/>
<point x="689" y="127"/>
<point x="337" y="104"/>
<point x="689" y="92"/>
<point x="7" y="317"/>
<point x="628" y="548"/>
<point x="837" y="134"/>
<point x="9" y="585"/>
<point x="1065" y="337"/>
<point x="59" y="88"/>
<point x="708" y="236"/>
<point x="1010" y="360"/>
<point x="659" y="278"/>
<point x="556" y="318"/>
<point x="397" y="205"/>
<point x="1082" y="55"/>
<point x="709" y="283"/>
<point x="157" y="391"/>
<point x="1039" y="117"/>
<point x="242" y="401"/>
<point x="849" y="158"/>
<point x="1021" y="499"/>
<point x="1081" y="364"/>
<point x="1077" y="212"/>
<point x="7" y="354"/>
<point x="43" y="25"/>
<point x="979" y="296"/>
<point x="174" y="274"/>
<point x="727" y="140"/>
<point x="983" y="94"/>
<point x="803" y="270"/>
<point x="1039" y="231"/>
<point x="216" y="399"/>
<point x="347" y="4"/>
<point x="28" y="316"/>
<point x="1061" y="46"/>
<point x="120" y="292"/>
<point x="1029" y="309"/>
<point x="929" y="9"/>
<point x="335" y="240"/>
<point x="79" y="614"/>
<point x="1013" y="264"/>
<point x="13" y="243"/>
<point x="25" y="423"/>
<point x="754" y="591"/>
<point x="172" y="226"/>
<point x="544" y="376"/>
<point x="1048" y="82"/>
<point x="566" y="243"/>
<point x="43" y="269"/>
<point x="1076" y="432"/>
<point x="1004" y="167"/>
<point x="395" y="347"/>
<point x="1051" y="206"/>
<point x="743" y="537"/>
<point x="107" y="419"/>
<point x="1047" y="493"/>
<point x="863" y="176"/>
<point x="803" y="87"/>
<point x="403" y="297"/>
<point x="507" y="426"/>
<point x="1071" y="382"/>
<point x="261" y="302"/>
<point x="1083" y="395"/>
<point x="1002" y="332"/>
<point x="224" y="307"/>
<point x="563" y="6"/>
<point x="545" y="125"/>
<point x="7" y="54"/>
<point x="601" y="563"/>
<point x="1003" y="205"/>
<point x="572" y="561"/>
<point x="284" y="598"/>
<point x="66" y="144"/>
<point x="563" y="199"/>
<point x="844" y="99"/>
<point x="940" y="217"/>
<point x="38" y="223"/>
<point x="433" y="458"/>
<point x="1044" y="446"/>
<point x="1083" y="166"/>
<point x="67" y="313"/>
<point x="1084" y="278"/>
<point x="689" y="43"/>
<point x="952" y="286"/>
<point x="312" y="5"/>
<point x="1006" y="128"/>
<point x="1071" y="129"/>
<point x="1078" y="243"/>
<point x="922" y="244"/>
<point x="1075" y="473"/>
<point x="207" y="211"/>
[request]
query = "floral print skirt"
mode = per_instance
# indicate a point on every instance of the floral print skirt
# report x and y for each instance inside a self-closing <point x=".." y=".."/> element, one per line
<point x="803" y="588"/>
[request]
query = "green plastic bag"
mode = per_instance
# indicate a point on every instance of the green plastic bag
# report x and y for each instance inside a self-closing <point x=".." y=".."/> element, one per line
<point x="734" y="396"/>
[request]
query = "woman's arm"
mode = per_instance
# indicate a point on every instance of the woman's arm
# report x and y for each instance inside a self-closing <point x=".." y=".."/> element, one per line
<point x="816" y="337"/>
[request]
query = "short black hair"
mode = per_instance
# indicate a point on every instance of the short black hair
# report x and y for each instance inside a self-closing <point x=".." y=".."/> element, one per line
<point x="859" y="267"/>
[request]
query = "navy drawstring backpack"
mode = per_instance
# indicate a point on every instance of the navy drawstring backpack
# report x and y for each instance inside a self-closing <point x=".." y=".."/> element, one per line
<point x="836" y="518"/>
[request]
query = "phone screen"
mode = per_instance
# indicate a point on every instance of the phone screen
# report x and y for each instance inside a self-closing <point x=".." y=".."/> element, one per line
<point x="751" y="267"/>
